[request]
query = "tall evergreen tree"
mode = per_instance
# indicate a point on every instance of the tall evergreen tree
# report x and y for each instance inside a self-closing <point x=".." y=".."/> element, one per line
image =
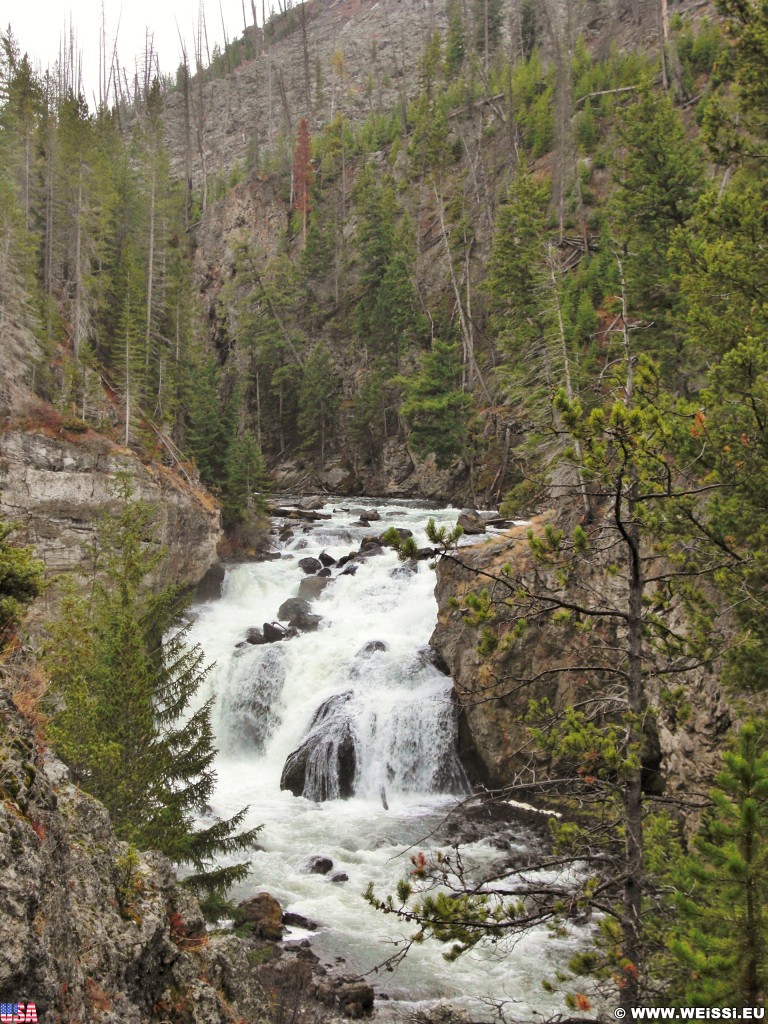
<point x="435" y="407"/>
<point x="721" y="942"/>
<point x="131" y="726"/>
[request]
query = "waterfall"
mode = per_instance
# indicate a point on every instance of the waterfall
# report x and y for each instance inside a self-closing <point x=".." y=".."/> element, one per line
<point x="361" y="709"/>
<point x="359" y="728"/>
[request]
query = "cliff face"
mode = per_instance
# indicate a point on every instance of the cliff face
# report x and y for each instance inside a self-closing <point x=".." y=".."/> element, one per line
<point x="56" y="487"/>
<point x="91" y="930"/>
<point x="685" y="741"/>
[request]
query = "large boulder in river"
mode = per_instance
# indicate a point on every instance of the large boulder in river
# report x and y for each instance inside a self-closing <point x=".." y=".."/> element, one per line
<point x="372" y="647"/>
<point x="292" y="609"/>
<point x="273" y="632"/>
<point x="318" y="865"/>
<point x="471" y="521"/>
<point x="310" y="565"/>
<point x="313" y="503"/>
<point x="323" y="766"/>
<point x="263" y="914"/>
<point x="311" y="587"/>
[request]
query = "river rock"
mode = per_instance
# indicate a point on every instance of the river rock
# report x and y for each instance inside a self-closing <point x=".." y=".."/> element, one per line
<point x="404" y="570"/>
<point x="267" y="556"/>
<point x="311" y="504"/>
<point x="264" y="915"/>
<point x="273" y="632"/>
<point x="471" y="521"/>
<point x="209" y="587"/>
<point x="350" y="570"/>
<point x="310" y="565"/>
<point x="318" y="865"/>
<point x="324" y="573"/>
<point x="371" y="648"/>
<point x="293" y="920"/>
<point x="434" y="657"/>
<point x="369" y="546"/>
<point x="310" y="588"/>
<point x="402" y="532"/>
<point x="355" y="999"/>
<point x="326" y="559"/>
<point x="370" y="516"/>
<point x="295" y="611"/>
<point x="255" y="636"/>
<point x="422" y="554"/>
<point x="339" y="876"/>
<point x="323" y="766"/>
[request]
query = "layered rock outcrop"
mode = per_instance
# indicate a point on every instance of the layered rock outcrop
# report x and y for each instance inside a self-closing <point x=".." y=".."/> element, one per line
<point x="56" y="487"/>
<point x="93" y="931"/>
<point x="684" y="739"/>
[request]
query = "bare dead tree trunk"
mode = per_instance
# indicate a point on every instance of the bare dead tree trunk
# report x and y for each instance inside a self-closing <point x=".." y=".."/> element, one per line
<point x="471" y="370"/>
<point x="305" y="51"/>
<point x="79" y="317"/>
<point x="284" y="102"/>
<point x="150" y="267"/>
<point x="226" y="39"/>
<point x="566" y="368"/>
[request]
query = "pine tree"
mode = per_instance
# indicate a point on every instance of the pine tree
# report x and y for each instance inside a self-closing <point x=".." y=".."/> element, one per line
<point x="318" y="400"/>
<point x="721" y="943"/>
<point x="435" y="407"/>
<point x="246" y="483"/>
<point x="455" y="40"/>
<point x="657" y="181"/>
<point x="131" y="727"/>
<point x="610" y="584"/>
<point x="21" y="581"/>
<point x="210" y="427"/>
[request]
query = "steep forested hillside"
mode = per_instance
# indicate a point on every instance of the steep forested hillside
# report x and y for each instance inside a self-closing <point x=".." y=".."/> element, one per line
<point x="413" y="250"/>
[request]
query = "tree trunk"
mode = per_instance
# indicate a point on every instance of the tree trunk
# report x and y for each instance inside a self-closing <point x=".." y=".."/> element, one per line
<point x="631" y="913"/>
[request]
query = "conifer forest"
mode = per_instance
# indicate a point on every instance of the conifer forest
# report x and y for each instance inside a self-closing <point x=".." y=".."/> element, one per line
<point x="384" y="518"/>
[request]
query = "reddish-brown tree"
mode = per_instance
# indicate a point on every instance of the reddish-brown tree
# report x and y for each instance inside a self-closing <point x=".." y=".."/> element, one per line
<point x="303" y="176"/>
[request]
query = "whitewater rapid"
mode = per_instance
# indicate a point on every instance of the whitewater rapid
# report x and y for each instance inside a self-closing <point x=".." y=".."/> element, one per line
<point x="400" y="710"/>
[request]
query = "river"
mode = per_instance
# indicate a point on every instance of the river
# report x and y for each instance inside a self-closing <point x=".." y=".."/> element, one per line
<point x="397" y="708"/>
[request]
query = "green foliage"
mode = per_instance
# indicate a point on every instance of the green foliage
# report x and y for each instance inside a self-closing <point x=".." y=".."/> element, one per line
<point x="131" y="725"/>
<point x="318" y="399"/>
<point x="657" y="180"/>
<point x="455" y="41"/>
<point x="435" y="408"/>
<point x="734" y="425"/>
<point x="442" y="536"/>
<point x="21" y="581"/>
<point x="720" y="942"/>
<point x="246" y="483"/>
<point x="514" y="268"/>
<point x="210" y="426"/>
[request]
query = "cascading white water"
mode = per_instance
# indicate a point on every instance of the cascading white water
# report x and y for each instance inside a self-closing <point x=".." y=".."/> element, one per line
<point x="378" y="719"/>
